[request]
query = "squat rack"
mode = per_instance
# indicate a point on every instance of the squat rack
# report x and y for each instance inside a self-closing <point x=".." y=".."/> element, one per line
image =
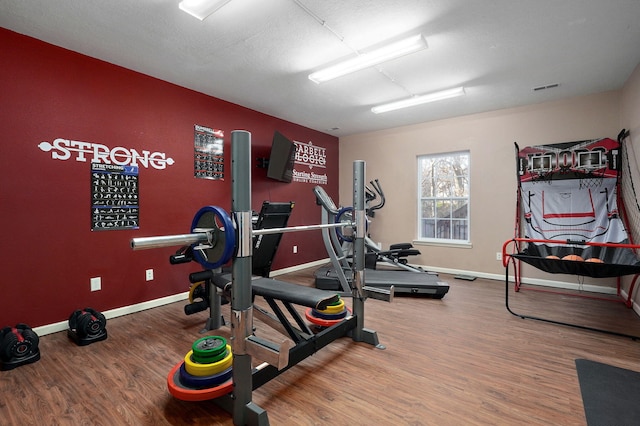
<point x="244" y="344"/>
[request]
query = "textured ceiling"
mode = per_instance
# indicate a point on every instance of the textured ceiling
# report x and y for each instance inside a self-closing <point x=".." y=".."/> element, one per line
<point x="258" y="53"/>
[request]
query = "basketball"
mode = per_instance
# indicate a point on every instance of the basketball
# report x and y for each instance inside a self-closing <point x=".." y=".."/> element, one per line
<point x="573" y="257"/>
<point x="551" y="256"/>
<point x="594" y="260"/>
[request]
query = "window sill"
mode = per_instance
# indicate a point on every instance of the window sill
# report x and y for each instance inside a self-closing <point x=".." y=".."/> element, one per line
<point x="461" y="244"/>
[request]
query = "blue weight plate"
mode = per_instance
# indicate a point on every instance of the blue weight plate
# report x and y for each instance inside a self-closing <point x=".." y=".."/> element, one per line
<point x="195" y="382"/>
<point x="222" y="251"/>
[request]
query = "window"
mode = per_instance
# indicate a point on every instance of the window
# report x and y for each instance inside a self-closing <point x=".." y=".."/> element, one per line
<point x="443" y="194"/>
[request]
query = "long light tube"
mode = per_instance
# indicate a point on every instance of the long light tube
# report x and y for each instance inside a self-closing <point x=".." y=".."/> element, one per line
<point x="418" y="100"/>
<point x="369" y="59"/>
<point x="201" y="9"/>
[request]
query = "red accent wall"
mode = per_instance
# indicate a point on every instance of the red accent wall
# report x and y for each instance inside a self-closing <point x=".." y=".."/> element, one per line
<point x="49" y="252"/>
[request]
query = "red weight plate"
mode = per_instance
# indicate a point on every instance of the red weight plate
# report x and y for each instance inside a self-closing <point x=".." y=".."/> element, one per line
<point x="178" y="390"/>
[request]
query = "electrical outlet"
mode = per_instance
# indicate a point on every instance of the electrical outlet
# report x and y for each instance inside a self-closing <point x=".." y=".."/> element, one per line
<point x="149" y="274"/>
<point x="498" y="255"/>
<point x="96" y="284"/>
<point x="295" y="249"/>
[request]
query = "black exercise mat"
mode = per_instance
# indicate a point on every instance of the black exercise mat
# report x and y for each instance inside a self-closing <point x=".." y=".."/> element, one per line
<point x="610" y="395"/>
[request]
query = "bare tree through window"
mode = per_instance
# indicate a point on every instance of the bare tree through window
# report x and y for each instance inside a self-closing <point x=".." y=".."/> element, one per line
<point x="444" y="196"/>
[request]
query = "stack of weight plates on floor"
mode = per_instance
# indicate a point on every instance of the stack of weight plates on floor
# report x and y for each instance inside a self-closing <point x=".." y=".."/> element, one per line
<point x="18" y="346"/>
<point x="87" y="326"/>
<point x="329" y="316"/>
<point x="205" y="373"/>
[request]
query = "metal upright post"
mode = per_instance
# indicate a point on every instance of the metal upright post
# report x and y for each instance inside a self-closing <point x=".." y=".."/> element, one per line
<point x="358" y="240"/>
<point x="215" y="320"/>
<point x="360" y="334"/>
<point x="244" y="410"/>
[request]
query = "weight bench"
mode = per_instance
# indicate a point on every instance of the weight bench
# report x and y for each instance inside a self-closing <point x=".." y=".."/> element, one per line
<point x="274" y="291"/>
<point x="278" y="295"/>
<point x="310" y="297"/>
<point x="272" y="215"/>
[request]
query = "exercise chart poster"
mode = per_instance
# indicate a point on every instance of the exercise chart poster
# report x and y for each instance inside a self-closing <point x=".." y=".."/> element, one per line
<point x="208" y="153"/>
<point x="114" y="197"/>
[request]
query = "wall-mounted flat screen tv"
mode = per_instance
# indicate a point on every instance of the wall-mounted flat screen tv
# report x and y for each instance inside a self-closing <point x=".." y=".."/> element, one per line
<point x="282" y="158"/>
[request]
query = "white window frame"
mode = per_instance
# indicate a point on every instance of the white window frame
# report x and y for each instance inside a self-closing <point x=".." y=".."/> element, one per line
<point x="450" y="199"/>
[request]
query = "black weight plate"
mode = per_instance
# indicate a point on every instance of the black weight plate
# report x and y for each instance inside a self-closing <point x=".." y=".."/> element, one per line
<point x="14" y="347"/>
<point x="32" y="337"/>
<point x="73" y="319"/>
<point x="99" y="316"/>
<point x="94" y="327"/>
<point x="6" y="344"/>
<point x="340" y="315"/>
<point x="3" y="332"/>
<point x="82" y="322"/>
<point x="208" y="221"/>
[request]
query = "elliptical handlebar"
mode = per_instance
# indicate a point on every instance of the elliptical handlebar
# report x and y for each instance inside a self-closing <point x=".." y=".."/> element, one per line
<point x="369" y="194"/>
<point x="378" y="189"/>
<point x="323" y="199"/>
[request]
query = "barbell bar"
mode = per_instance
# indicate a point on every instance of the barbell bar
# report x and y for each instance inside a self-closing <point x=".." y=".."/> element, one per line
<point x="300" y="228"/>
<point x="213" y="236"/>
<point x="202" y="237"/>
<point x="145" y="243"/>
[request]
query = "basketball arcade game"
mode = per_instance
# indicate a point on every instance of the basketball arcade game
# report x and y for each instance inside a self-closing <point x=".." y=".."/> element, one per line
<point x="570" y="217"/>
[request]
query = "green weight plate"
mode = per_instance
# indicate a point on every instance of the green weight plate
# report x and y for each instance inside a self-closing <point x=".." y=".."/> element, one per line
<point x="210" y="346"/>
<point x="209" y="359"/>
<point x="337" y="302"/>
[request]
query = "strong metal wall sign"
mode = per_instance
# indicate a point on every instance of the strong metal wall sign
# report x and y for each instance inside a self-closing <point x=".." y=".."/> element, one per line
<point x="66" y="149"/>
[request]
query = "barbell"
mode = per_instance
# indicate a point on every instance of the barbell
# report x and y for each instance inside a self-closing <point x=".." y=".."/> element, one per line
<point x="213" y="236"/>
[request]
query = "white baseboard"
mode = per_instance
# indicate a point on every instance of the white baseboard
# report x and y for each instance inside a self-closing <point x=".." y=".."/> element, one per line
<point x="634" y="305"/>
<point x="299" y="267"/>
<point x="541" y="282"/>
<point x="535" y="281"/>
<point x="131" y="309"/>
<point x="497" y="277"/>
<point x="126" y="310"/>
<point x="117" y="312"/>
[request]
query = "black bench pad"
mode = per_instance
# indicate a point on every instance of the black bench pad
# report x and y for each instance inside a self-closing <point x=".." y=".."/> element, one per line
<point x="287" y="292"/>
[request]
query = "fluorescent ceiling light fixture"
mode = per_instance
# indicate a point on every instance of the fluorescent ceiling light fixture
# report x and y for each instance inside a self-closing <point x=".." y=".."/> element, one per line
<point x="418" y="100"/>
<point x="201" y="8"/>
<point x="369" y="59"/>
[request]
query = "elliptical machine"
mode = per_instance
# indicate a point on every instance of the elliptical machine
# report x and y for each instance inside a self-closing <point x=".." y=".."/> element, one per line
<point x="399" y="253"/>
<point x="336" y="275"/>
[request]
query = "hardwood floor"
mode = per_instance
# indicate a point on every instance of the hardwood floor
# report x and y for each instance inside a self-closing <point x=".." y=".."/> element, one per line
<point x="462" y="360"/>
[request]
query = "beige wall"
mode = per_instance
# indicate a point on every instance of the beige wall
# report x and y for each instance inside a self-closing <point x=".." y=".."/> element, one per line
<point x="630" y="111"/>
<point x="391" y="154"/>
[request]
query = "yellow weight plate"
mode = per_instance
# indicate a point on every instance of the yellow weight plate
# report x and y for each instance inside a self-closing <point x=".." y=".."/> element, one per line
<point x="196" y="369"/>
<point x="193" y="288"/>
<point x="333" y="309"/>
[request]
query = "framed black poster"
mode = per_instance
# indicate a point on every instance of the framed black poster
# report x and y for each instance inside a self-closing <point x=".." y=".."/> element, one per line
<point x="114" y="197"/>
<point x="208" y="153"/>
